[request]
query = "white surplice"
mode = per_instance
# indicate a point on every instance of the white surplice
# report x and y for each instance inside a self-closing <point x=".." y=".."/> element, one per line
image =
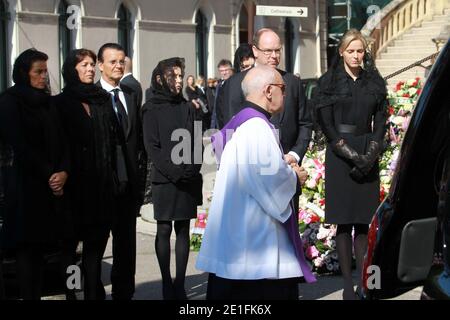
<point x="244" y="236"/>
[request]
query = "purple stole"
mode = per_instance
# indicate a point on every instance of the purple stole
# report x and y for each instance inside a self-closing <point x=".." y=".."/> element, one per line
<point x="220" y="139"/>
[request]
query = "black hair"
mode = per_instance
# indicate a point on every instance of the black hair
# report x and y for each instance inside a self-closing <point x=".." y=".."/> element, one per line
<point x="23" y="63"/>
<point x="244" y="51"/>
<point x="115" y="46"/>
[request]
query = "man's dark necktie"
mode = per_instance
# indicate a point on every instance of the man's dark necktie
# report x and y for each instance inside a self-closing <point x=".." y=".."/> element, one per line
<point x="121" y="112"/>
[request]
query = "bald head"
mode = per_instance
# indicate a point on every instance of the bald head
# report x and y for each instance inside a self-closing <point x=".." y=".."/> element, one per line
<point x="128" y="66"/>
<point x="260" y="87"/>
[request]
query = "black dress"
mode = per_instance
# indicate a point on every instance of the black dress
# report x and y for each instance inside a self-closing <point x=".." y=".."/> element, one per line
<point x="176" y="188"/>
<point x="91" y="140"/>
<point x="356" y="112"/>
<point x="29" y="127"/>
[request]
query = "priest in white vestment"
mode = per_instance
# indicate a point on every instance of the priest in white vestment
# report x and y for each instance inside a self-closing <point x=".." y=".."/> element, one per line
<point x="246" y="248"/>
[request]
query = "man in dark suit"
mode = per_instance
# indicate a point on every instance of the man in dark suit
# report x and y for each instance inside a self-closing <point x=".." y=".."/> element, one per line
<point x="129" y="81"/>
<point x="226" y="71"/>
<point x="294" y="123"/>
<point x="126" y="105"/>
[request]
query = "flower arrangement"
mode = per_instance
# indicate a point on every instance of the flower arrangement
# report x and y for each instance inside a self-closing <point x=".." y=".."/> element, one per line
<point x="199" y="229"/>
<point x="402" y="100"/>
<point x="317" y="237"/>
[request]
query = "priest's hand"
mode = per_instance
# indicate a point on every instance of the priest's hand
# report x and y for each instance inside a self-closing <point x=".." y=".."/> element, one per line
<point x="302" y="175"/>
<point x="289" y="159"/>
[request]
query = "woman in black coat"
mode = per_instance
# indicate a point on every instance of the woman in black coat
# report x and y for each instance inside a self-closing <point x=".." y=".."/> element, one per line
<point x="351" y="105"/>
<point x="176" y="179"/>
<point x="34" y="181"/>
<point x="91" y="128"/>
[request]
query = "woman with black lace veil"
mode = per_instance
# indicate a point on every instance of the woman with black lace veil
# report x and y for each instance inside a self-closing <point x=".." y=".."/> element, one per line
<point x="352" y="111"/>
<point x="91" y="128"/>
<point x="176" y="179"/>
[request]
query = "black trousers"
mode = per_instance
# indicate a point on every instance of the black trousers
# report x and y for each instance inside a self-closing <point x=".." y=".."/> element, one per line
<point x="2" y="282"/>
<point x="124" y="248"/>
<point x="263" y="289"/>
<point x="30" y="267"/>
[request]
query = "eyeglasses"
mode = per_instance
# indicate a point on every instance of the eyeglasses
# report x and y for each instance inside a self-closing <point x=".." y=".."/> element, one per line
<point x="268" y="52"/>
<point x="282" y="86"/>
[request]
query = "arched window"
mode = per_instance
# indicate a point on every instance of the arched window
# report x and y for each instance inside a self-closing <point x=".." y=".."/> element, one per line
<point x="4" y="17"/>
<point x="125" y="27"/>
<point x="243" y="25"/>
<point x="201" y="43"/>
<point x="289" y="37"/>
<point x="65" y="36"/>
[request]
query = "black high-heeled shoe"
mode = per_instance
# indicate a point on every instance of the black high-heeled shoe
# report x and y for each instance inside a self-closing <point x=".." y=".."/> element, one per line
<point x="180" y="292"/>
<point x="168" y="291"/>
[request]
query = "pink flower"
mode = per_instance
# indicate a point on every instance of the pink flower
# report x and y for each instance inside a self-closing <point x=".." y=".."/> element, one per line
<point x="323" y="233"/>
<point x="312" y="252"/>
<point x="302" y="214"/>
<point x="405" y="123"/>
<point x="318" y="262"/>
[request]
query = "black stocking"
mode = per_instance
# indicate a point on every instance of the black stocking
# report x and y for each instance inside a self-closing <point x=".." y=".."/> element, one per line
<point x="344" y="248"/>
<point x="30" y="272"/>
<point x="162" y="247"/>
<point x="182" y="256"/>
<point x="360" y="247"/>
<point x="68" y="256"/>
<point x="93" y="250"/>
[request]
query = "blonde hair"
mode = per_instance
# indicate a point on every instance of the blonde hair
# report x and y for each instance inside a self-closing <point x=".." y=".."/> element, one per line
<point x="349" y="36"/>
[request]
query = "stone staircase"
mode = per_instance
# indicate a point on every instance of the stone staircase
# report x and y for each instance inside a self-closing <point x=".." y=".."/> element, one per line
<point x="415" y="44"/>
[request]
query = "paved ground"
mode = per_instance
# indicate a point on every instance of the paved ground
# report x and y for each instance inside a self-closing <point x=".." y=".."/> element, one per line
<point x="148" y="283"/>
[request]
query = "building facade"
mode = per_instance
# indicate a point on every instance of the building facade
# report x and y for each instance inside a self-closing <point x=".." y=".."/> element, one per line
<point x="201" y="31"/>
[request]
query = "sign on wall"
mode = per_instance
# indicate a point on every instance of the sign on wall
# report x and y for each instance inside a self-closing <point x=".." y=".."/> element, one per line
<point x="282" y="11"/>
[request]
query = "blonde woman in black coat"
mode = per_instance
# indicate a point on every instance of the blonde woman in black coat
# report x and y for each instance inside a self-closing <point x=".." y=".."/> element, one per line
<point x="351" y="104"/>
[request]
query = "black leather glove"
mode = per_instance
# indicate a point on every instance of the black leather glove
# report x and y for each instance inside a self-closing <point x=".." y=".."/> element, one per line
<point x="342" y="149"/>
<point x="356" y="174"/>
<point x="363" y="163"/>
<point x="369" y="159"/>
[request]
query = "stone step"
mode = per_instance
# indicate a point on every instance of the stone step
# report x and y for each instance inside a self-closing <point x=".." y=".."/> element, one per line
<point x="405" y="55"/>
<point x="389" y="70"/>
<point x="436" y="22"/>
<point x="426" y="50"/>
<point x="439" y="18"/>
<point x="419" y="36"/>
<point x="426" y="30"/>
<point x="386" y="63"/>
<point x="412" y="43"/>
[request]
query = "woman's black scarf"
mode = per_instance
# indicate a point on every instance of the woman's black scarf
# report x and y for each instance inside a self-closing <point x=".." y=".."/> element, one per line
<point x="161" y="93"/>
<point x="34" y="106"/>
<point x="103" y="122"/>
<point x="333" y="84"/>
